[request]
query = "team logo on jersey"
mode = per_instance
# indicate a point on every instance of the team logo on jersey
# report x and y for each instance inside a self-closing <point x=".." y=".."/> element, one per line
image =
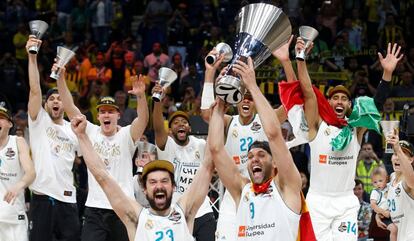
<point x="327" y="131"/>
<point x="255" y="126"/>
<point x="149" y="224"/>
<point x="10" y="153"/>
<point x="197" y="155"/>
<point x="235" y="134"/>
<point x="175" y="217"/>
<point x="342" y="227"/>
<point x="397" y="191"/>
<point x="106" y="161"/>
<point x="303" y="124"/>
<point x="57" y="149"/>
<point x="246" y="197"/>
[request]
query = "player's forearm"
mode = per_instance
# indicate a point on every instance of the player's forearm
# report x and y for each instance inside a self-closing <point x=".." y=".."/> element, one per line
<point x="34" y="77"/>
<point x="215" y="131"/>
<point x="304" y="80"/>
<point x="66" y="97"/>
<point x="142" y="109"/>
<point x="289" y="72"/>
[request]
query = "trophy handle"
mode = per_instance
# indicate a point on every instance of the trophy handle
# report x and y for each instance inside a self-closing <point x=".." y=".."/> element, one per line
<point x="55" y="74"/>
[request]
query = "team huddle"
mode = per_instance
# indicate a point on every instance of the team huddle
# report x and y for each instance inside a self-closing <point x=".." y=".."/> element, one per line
<point x="263" y="199"/>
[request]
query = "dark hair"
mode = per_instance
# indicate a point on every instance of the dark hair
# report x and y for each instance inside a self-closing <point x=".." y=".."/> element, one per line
<point x="261" y="144"/>
<point x="144" y="178"/>
<point x="358" y="182"/>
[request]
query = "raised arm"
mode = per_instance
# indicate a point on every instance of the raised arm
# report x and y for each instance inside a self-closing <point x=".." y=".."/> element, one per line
<point x="405" y="160"/>
<point x="288" y="177"/>
<point x="161" y="135"/>
<point x="310" y="102"/>
<point x="139" y="124"/>
<point x="282" y="54"/>
<point x="195" y="195"/>
<point x="225" y="166"/>
<point x="35" y="94"/>
<point x="68" y="105"/>
<point x="28" y="168"/>
<point x="126" y="208"/>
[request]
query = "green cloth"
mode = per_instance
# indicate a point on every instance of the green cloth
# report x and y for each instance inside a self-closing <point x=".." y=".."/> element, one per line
<point x="364" y="114"/>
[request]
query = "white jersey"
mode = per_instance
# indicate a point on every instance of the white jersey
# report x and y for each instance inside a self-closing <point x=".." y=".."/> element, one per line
<point x="139" y="194"/>
<point x="300" y="129"/>
<point x="394" y="200"/>
<point x="116" y="152"/>
<point x="406" y="226"/>
<point x="186" y="159"/>
<point x="332" y="171"/>
<point x="265" y="217"/>
<point x="159" y="228"/>
<point x="380" y="197"/>
<point x="10" y="173"/>
<point x="240" y="137"/>
<point x="53" y="151"/>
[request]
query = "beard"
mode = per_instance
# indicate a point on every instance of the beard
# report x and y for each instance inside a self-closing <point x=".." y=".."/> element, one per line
<point x="154" y="205"/>
<point x="179" y="141"/>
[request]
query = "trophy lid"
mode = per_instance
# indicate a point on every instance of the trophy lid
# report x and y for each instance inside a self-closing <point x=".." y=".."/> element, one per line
<point x="265" y="22"/>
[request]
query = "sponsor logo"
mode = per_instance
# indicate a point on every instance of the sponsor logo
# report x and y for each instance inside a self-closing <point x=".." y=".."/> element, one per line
<point x="322" y="159"/>
<point x="397" y="191"/>
<point x="67" y="193"/>
<point x="256" y="230"/>
<point x="335" y="160"/>
<point x="175" y="217"/>
<point x="236" y="160"/>
<point x="342" y="227"/>
<point x="10" y="153"/>
<point x="20" y="217"/>
<point x="255" y="126"/>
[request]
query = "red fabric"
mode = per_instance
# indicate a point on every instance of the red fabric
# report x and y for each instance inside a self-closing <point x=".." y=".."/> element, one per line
<point x="306" y="232"/>
<point x="261" y="188"/>
<point x="291" y="95"/>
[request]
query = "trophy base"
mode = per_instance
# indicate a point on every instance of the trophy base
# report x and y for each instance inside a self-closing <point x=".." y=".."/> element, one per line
<point x="156" y="97"/>
<point x="301" y="56"/>
<point x="230" y="89"/>
<point x="54" y="75"/>
<point x="33" y="49"/>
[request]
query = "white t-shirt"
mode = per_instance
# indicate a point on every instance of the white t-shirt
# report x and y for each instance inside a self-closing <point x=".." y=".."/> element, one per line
<point x="265" y="217"/>
<point x="406" y="226"/>
<point x="186" y="159"/>
<point x="300" y="129"/>
<point x="171" y="227"/>
<point x="116" y="152"/>
<point x="10" y="173"/>
<point x="53" y="151"/>
<point x="332" y="171"/>
<point x="380" y="197"/>
<point x="394" y="200"/>
<point x="100" y="14"/>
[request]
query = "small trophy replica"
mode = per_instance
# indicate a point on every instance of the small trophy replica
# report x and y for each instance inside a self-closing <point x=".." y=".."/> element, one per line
<point x="63" y="57"/>
<point x="262" y="28"/>
<point x="388" y="129"/>
<point x="167" y="77"/>
<point x="221" y="48"/>
<point x="37" y="28"/>
<point x="308" y="34"/>
<point x="145" y="150"/>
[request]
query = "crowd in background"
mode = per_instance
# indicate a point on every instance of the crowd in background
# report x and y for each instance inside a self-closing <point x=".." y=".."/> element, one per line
<point x="115" y="40"/>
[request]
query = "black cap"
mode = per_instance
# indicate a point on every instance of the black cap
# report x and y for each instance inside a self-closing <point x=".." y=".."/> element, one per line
<point x="6" y="113"/>
<point x="407" y="147"/>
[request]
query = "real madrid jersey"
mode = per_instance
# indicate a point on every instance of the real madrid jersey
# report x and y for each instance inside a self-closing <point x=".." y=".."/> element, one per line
<point x="159" y="228"/>
<point x="239" y="139"/>
<point x="116" y="152"/>
<point x="187" y="160"/>
<point x="10" y="173"/>
<point x="394" y="199"/>
<point x="406" y="226"/>
<point x="265" y="217"/>
<point x="332" y="171"/>
<point x="53" y="149"/>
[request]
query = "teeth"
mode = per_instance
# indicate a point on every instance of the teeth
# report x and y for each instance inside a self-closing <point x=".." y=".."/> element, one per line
<point x="257" y="169"/>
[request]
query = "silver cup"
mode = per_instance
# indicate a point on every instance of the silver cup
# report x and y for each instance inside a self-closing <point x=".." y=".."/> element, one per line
<point x="63" y="57"/>
<point x="388" y="129"/>
<point x="262" y="28"/>
<point x="37" y="28"/>
<point x="167" y="77"/>
<point x="221" y="48"/>
<point x="308" y="34"/>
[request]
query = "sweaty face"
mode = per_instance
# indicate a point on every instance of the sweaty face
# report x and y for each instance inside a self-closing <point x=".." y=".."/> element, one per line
<point x="379" y="181"/>
<point x="54" y="107"/>
<point x="340" y="104"/>
<point x="246" y="107"/>
<point x="180" y="129"/>
<point x="108" y="118"/>
<point x="159" y="189"/>
<point x="259" y="165"/>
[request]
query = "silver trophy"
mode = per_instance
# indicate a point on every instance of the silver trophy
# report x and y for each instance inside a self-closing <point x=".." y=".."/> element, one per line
<point x="167" y="77"/>
<point x="221" y="48"/>
<point x="388" y="129"/>
<point x="63" y="57"/>
<point x="308" y="34"/>
<point x="37" y="28"/>
<point x="262" y="28"/>
<point x="146" y="152"/>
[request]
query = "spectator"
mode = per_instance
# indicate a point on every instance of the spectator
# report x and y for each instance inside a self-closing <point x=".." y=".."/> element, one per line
<point x="100" y="73"/>
<point x="181" y="72"/>
<point x="19" y="41"/>
<point x="12" y="79"/>
<point x="361" y="85"/>
<point x="364" y="213"/>
<point x="367" y="162"/>
<point x="156" y="17"/>
<point x="406" y="89"/>
<point x="73" y="77"/>
<point x="391" y="33"/>
<point x="101" y="16"/>
<point x="154" y="61"/>
<point x="178" y="32"/>
<point x="63" y="9"/>
<point x="354" y="34"/>
<point x="127" y="115"/>
<point x="388" y="111"/>
<point x="193" y="79"/>
<point x="80" y="21"/>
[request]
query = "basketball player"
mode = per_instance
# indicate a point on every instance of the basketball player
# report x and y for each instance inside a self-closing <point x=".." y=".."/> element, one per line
<point x="332" y="205"/>
<point x="115" y="146"/>
<point x="16" y="173"/>
<point x="241" y="131"/>
<point x="269" y="202"/>
<point x="53" y="210"/>
<point x="163" y="220"/>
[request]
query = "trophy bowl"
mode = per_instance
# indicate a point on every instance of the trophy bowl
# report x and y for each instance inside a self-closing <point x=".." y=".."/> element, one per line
<point x="221" y="48"/>
<point x="308" y="34"/>
<point x="167" y="76"/>
<point x="37" y="28"/>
